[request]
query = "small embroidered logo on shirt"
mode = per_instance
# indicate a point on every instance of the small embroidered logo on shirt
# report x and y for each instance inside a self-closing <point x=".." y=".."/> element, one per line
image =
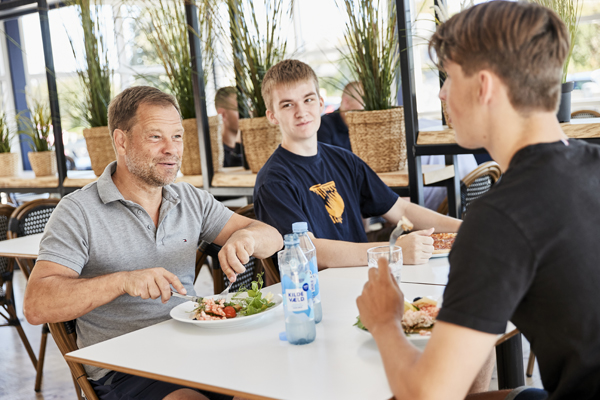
<point x="185" y="240"/>
<point x="334" y="204"/>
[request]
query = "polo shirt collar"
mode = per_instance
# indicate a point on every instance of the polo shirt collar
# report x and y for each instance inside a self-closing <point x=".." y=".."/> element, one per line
<point x="108" y="192"/>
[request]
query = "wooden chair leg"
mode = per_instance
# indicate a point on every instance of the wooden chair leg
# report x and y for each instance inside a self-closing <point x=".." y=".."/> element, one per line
<point x="14" y="320"/>
<point x="530" y="364"/>
<point x="42" y="356"/>
<point x="77" y="388"/>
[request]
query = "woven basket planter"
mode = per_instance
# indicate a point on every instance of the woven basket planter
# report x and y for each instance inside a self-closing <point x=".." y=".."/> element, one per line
<point x="100" y="148"/>
<point x="260" y="139"/>
<point x="445" y="111"/>
<point x="43" y="163"/>
<point x="9" y="163"/>
<point x="378" y="138"/>
<point x="190" y="163"/>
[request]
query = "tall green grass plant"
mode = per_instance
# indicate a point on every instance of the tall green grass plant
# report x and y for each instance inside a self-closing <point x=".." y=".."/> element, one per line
<point x="5" y="136"/>
<point x="255" y="50"/>
<point x="164" y="23"/>
<point x="90" y="109"/>
<point x="372" y="50"/>
<point x="38" y="125"/>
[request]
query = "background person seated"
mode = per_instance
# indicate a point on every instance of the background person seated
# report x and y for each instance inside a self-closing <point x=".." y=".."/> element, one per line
<point x="227" y="106"/>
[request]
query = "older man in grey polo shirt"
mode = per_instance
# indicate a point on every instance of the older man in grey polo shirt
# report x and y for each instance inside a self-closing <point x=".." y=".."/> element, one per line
<point x="112" y="250"/>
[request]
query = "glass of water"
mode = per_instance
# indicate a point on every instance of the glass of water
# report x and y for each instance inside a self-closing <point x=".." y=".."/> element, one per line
<point x="375" y="253"/>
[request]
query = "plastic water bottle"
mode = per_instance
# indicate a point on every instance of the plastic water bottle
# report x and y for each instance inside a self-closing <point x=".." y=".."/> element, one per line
<point x="295" y="286"/>
<point x="310" y="252"/>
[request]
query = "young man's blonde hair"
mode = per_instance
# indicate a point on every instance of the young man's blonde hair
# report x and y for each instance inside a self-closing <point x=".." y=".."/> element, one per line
<point x="286" y="72"/>
<point x="222" y="97"/>
<point x="524" y="44"/>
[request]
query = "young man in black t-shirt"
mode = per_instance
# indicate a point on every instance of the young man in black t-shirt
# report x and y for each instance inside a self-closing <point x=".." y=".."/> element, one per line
<point x="328" y="187"/>
<point x="527" y="251"/>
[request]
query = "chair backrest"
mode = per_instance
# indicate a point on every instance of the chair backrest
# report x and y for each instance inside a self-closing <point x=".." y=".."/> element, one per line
<point x="31" y="218"/>
<point x="6" y="264"/>
<point x="65" y="336"/>
<point x="585" y="114"/>
<point x="28" y="219"/>
<point x="474" y="185"/>
<point x="253" y="267"/>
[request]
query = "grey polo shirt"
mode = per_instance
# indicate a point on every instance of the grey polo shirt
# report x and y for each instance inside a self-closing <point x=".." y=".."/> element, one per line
<point x="95" y="231"/>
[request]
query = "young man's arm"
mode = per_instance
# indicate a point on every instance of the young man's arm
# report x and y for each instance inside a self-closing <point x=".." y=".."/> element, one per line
<point x="421" y="217"/>
<point x="243" y="237"/>
<point x="451" y="361"/>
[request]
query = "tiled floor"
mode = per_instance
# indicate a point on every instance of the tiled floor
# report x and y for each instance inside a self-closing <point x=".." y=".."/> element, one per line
<point x="17" y="374"/>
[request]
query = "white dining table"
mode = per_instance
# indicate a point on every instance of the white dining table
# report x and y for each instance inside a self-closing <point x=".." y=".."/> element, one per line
<point x="21" y="247"/>
<point x="251" y="361"/>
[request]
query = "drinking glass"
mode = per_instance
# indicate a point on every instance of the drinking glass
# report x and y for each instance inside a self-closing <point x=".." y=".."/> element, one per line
<point x="375" y="253"/>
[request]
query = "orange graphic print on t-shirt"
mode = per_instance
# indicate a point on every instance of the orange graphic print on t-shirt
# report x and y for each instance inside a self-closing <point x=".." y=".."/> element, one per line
<point x="333" y="201"/>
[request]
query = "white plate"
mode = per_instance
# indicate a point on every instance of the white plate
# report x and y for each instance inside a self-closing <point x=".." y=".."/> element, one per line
<point x="415" y="338"/>
<point x="440" y="255"/>
<point x="183" y="313"/>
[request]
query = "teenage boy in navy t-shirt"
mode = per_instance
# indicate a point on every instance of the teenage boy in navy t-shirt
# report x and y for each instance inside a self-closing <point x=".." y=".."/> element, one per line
<point x="326" y="186"/>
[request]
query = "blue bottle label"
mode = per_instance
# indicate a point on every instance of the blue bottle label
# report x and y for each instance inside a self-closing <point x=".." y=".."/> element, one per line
<point x="297" y="299"/>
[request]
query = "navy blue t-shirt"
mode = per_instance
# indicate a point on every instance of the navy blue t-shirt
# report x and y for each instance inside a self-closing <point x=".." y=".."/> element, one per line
<point x="331" y="191"/>
<point x="334" y="131"/>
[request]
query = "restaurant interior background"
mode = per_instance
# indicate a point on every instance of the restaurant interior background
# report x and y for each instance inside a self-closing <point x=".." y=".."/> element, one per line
<point x="315" y="36"/>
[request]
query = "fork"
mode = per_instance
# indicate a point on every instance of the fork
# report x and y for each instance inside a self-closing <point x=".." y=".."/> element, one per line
<point x="224" y="293"/>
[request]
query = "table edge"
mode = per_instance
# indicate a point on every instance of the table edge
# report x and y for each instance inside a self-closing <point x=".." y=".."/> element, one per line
<point x="169" y="379"/>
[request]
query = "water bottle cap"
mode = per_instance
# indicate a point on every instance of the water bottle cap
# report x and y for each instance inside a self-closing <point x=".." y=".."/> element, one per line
<point x="299" y="227"/>
<point x="283" y="336"/>
<point x="291" y="239"/>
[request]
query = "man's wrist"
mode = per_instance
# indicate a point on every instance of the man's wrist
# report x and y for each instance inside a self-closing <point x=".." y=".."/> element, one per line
<point x="386" y="328"/>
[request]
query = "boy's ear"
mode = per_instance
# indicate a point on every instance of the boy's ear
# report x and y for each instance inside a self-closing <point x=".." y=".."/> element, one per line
<point x="321" y="104"/>
<point x="271" y="117"/>
<point x="486" y="86"/>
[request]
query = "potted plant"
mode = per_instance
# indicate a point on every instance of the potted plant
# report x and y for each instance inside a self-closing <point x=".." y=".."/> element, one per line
<point x="570" y="12"/>
<point x="38" y="126"/>
<point x="254" y="52"/>
<point x="90" y="108"/>
<point x="8" y="160"/>
<point x="164" y="24"/>
<point x="377" y="134"/>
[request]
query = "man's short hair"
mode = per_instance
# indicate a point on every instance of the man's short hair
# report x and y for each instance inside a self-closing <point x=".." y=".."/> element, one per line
<point x="223" y="95"/>
<point x="524" y="44"/>
<point x="123" y="108"/>
<point x="285" y="73"/>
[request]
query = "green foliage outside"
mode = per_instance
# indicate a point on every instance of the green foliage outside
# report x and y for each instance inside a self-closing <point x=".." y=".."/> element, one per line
<point x="255" y="50"/>
<point x="5" y="135"/>
<point x="586" y="52"/>
<point x="372" y="52"/>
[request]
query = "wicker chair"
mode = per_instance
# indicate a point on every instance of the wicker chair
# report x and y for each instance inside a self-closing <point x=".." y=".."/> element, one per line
<point x="30" y="219"/>
<point x="253" y="267"/>
<point x="65" y="336"/>
<point x="585" y="114"/>
<point x="7" y="300"/>
<point x="474" y="185"/>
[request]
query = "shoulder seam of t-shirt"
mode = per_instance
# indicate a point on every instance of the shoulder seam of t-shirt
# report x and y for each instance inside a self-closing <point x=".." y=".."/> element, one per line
<point x="81" y="210"/>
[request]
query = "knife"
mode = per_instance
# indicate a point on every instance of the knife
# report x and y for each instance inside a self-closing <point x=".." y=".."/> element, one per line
<point x="195" y="299"/>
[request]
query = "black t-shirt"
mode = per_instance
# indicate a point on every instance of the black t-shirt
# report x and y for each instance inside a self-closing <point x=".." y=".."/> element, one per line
<point x="331" y="191"/>
<point x="334" y="131"/>
<point x="233" y="156"/>
<point x="528" y="251"/>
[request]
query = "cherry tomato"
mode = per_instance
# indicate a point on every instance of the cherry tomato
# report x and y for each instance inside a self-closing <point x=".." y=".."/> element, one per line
<point x="229" y="312"/>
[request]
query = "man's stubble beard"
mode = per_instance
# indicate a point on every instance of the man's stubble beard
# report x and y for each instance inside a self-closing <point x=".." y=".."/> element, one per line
<point x="147" y="172"/>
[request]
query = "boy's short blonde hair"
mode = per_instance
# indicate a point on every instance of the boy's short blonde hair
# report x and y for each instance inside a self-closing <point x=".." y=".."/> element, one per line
<point x="524" y="44"/>
<point x="286" y="72"/>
